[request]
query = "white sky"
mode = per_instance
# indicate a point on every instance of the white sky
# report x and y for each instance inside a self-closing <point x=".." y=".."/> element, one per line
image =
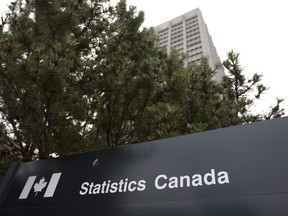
<point x="257" y="29"/>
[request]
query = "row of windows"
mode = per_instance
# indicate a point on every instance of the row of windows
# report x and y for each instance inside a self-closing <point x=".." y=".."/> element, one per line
<point x="176" y="37"/>
<point x="180" y="43"/>
<point x="177" y="45"/>
<point x="176" y="41"/>
<point x="178" y="30"/>
<point x="162" y="34"/>
<point x="193" y="44"/>
<point x="195" y="49"/>
<point x="163" y="38"/>
<point x="193" y="39"/>
<point x="163" y="31"/>
<point x="163" y="42"/>
<point x="179" y="48"/>
<point x="177" y="25"/>
<point x="193" y="30"/>
<point x="192" y="35"/>
<point x="191" y="18"/>
<point x="196" y="54"/>
<point x="191" y="22"/>
<point x="177" y="33"/>
<point x="191" y="26"/>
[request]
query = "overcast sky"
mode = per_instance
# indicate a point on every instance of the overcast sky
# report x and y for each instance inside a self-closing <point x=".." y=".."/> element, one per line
<point x="257" y="29"/>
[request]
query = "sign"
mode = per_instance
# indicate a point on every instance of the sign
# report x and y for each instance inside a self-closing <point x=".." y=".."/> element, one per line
<point x="240" y="170"/>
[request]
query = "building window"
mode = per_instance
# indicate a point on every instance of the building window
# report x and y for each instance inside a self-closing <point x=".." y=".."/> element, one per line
<point x="191" y="18"/>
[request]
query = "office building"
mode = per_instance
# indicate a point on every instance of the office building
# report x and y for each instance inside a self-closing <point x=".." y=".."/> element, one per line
<point x="188" y="33"/>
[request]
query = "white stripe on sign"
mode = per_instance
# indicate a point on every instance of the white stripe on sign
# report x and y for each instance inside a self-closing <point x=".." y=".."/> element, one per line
<point x="26" y="190"/>
<point x="52" y="185"/>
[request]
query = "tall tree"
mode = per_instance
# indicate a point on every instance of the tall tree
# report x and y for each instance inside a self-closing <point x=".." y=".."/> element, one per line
<point x="129" y="72"/>
<point x="44" y="58"/>
<point x="75" y="76"/>
<point x="246" y="91"/>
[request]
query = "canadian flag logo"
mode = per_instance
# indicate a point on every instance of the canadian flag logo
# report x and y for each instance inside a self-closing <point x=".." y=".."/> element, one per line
<point x="40" y="185"/>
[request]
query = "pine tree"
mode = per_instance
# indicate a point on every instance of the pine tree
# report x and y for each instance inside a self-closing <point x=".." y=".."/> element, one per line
<point x="75" y="76"/>
<point x="44" y="61"/>
<point x="246" y="91"/>
<point x="129" y="72"/>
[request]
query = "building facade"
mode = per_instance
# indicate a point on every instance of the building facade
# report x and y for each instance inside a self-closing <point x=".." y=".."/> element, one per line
<point x="188" y="33"/>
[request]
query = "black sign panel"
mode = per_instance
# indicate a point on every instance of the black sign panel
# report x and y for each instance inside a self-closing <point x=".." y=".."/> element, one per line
<point x="241" y="170"/>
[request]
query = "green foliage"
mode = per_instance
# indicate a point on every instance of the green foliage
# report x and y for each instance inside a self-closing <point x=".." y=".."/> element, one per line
<point x="81" y="75"/>
<point x="246" y="91"/>
<point x="45" y="57"/>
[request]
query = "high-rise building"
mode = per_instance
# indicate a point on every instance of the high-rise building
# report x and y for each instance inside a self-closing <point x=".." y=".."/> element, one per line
<point x="188" y="33"/>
